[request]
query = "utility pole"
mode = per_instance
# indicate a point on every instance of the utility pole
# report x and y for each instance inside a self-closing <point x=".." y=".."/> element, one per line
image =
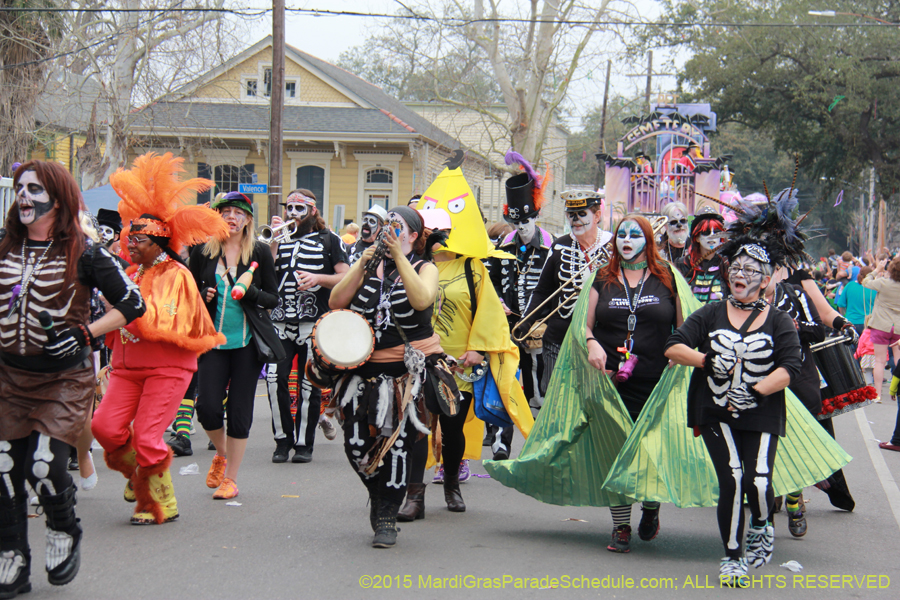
<point x="871" y="212"/>
<point x="649" y="77"/>
<point x="602" y="145"/>
<point x="276" y="108"/>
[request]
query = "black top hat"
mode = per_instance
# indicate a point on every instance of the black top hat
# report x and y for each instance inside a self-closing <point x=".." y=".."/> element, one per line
<point x="520" y="198"/>
<point x="701" y="218"/>
<point x="110" y="218"/>
<point x="641" y="155"/>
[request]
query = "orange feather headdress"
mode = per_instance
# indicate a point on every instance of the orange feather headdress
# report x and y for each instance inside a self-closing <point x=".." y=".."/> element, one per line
<point x="153" y="186"/>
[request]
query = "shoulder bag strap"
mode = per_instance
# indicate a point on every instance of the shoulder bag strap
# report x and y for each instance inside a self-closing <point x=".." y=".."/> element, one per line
<point x="470" y="279"/>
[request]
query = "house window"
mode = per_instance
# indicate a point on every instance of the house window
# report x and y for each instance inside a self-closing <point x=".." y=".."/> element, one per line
<point x="313" y="179"/>
<point x="379" y="176"/>
<point x="379" y="185"/>
<point x="228" y="177"/>
<point x="290" y="89"/>
<point x="267" y="82"/>
<point x="250" y="90"/>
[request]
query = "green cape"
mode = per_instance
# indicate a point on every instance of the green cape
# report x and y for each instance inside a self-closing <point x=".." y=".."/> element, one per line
<point x="584" y="449"/>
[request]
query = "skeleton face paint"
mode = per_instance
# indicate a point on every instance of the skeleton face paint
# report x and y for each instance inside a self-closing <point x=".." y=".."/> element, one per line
<point x="746" y="278"/>
<point x="33" y="200"/>
<point x="630" y="241"/>
<point x="525" y="228"/>
<point x="580" y="221"/>
<point x="296" y="211"/>
<point x="370" y="228"/>
<point x="107" y="235"/>
<point x="401" y="229"/>
<point x="711" y="241"/>
<point x="235" y="217"/>
<point x="676" y="228"/>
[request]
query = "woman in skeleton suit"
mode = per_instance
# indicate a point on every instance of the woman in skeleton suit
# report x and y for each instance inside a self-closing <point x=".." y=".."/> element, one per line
<point x="515" y="280"/>
<point x="700" y="265"/>
<point x="744" y="353"/>
<point x="632" y="310"/>
<point x="576" y="254"/>
<point x="48" y="268"/>
<point x="397" y="300"/>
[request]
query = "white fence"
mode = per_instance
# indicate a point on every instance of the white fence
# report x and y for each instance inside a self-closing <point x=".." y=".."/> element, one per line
<point x="7" y="197"/>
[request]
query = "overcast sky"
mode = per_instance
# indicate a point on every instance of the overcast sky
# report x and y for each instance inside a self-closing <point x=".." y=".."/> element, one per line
<point x="327" y="36"/>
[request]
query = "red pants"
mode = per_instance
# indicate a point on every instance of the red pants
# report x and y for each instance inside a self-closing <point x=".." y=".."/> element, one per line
<point x="147" y="397"/>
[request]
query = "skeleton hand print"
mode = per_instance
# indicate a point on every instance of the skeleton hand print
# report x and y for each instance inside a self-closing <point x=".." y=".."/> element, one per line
<point x="752" y="355"/>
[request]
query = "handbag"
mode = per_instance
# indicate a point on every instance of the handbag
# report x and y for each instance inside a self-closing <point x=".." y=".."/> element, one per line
<point x="487" y="403"/>
<point x="268" y="345"/>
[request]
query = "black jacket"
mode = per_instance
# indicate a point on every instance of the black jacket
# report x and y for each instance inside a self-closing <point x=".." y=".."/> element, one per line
<point x="262" y="292"/>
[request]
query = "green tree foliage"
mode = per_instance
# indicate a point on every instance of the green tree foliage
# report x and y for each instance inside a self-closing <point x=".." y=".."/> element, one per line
<point x="826" y="93"/>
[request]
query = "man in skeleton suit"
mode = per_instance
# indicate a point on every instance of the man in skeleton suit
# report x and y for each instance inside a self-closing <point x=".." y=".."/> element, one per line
<point x="671" y="245"/>
<point x="515" y="280"/>
<point x="110" y="227"/>
<point x="572" y="256"/>
<point x="372" y="222"/>
<point x="307" y="266"/>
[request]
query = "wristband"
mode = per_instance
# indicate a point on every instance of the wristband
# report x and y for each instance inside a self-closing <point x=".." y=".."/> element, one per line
<point x="591" y="338"/>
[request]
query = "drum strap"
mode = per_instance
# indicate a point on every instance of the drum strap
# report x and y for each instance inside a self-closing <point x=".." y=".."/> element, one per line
<point x="749" y="321"/>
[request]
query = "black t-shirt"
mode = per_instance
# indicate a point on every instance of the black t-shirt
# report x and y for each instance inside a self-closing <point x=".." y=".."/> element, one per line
<point x="305" y="253"/>
<point x="655" y="320"/>
<point x="356" y="249"/>
<point x="761" y="351"/>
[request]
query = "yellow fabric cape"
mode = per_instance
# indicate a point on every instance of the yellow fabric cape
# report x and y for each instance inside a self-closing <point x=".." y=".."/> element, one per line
<point x="584" y="449"/>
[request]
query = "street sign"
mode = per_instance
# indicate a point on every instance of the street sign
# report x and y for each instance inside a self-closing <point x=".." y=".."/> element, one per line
<point x="253" y="188"/>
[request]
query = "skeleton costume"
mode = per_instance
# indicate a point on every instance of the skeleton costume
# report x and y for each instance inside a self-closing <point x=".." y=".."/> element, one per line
<point x="741" y="443"/>
<point x="155" y="357"/>
<point x="317" y="252"/>
<point x="704" y="275"/>
<point x="515" y="280"/>
<point x="46" y="382"/>
<point x="566" y="259"/>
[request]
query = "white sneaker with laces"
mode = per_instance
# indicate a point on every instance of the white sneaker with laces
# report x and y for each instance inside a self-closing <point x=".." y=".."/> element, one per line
<point x="328" y="427"/>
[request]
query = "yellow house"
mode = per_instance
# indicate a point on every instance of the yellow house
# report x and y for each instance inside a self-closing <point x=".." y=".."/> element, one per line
<point x="344" y="138"/>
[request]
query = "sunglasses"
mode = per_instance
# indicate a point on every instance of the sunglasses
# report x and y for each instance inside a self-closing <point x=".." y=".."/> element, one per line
<point x="133" y="240"/>
<point x="677" y="222"/>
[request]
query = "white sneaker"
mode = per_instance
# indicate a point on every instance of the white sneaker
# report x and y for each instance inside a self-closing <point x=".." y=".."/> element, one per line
<point x="328" y="427"/>
<point x="760" y="545"/>
<point x="733" y="572"/>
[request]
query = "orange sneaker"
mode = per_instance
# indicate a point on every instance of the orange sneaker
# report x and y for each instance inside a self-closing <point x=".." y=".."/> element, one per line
<point x="216" y="472"/>
<point x="227" y="490"/>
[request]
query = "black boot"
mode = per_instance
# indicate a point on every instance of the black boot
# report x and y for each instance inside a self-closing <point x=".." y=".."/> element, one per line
<point x="373" y="510"/>
<point x="386" y="524"/>
<point x="282" y="450"/>
<point x="16" y="569"/>
<point x="63" y="536"/>
<point x="415" y="503"/>
<point x="452" y="495"/>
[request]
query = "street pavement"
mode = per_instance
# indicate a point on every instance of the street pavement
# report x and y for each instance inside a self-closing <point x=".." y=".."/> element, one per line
<point x="302" y="531"/>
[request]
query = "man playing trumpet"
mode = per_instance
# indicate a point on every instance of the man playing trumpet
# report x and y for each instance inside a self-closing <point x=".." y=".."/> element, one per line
<point x="308" y="264"/>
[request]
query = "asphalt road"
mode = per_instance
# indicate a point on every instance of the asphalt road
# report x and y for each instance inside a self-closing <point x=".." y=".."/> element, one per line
<point x="302" y="531"/>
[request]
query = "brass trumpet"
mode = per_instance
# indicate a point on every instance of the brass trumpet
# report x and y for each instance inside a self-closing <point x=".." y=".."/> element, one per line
<point x="657" y="222"/>
<point x="280" y="234"/>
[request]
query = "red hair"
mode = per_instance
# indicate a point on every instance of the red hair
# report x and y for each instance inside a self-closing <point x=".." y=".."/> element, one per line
<point x="693" y="256"/>
<point x="609" y="274"/>
<point x="66" y="231"/>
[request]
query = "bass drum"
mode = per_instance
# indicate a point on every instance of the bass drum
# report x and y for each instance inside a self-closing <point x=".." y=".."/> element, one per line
<point x="342" y="340"/>
<point x="844" y="386"/>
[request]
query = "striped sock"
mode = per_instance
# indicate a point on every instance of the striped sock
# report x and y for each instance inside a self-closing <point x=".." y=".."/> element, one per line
<point x="184" y="416"/>
<point x="621" y="515"/>
<point x="792" y="502"/>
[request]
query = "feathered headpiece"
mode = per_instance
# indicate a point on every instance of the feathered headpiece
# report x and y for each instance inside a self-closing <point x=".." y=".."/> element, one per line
<point x="154" y="200"/>
<point x="525" y="191"/>
<point x="763" y="249"/>
<point x="774" y="221"/>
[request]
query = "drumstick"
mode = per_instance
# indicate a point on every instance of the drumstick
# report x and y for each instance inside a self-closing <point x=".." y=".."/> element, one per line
<point x="243" y="282"/>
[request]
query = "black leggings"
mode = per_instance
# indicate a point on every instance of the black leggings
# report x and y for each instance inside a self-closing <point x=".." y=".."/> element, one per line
<point x="453" y="442"/>
<point x="217" y="368"/>
<point x="39" y="458"/>
<point x="744" y="461"/>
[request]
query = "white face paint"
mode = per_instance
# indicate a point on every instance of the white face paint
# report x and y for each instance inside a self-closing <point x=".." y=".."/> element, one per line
<point x="746" y="278"/>
<point x="107" y="235"/>
<point x="711" y="241"/>
<point x="630" y="241"/>
<point x="296" y="210"/>
<point x="581" y="221"/>
<point x="525" y="228"/>
<point x="33" y="200"/>
<point x="677" y="228"/>
<point x="371" y="225"/>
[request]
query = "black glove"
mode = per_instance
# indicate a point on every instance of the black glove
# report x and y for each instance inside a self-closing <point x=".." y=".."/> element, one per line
<point x="850" y="331"/>
<point x="251" y="294"/>
<point x="742" y="397"/>
<point x="68" y="343"/>
<point x="718" y="365"/>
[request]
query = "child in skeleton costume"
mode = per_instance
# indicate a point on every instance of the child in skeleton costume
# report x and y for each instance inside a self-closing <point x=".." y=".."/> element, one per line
<point x="700" y="265"/>
<point x="744" y="354"/>
<point x="234" y="366"/>
<point x="672" y="244"/>
<point x="307" y="267"/>
<point x="382" y="402"/>
<point x="48" y="268"/>
<point x="372" y="222"/>
<point x="154" y="358"/>
<point x="575" y="254"/>
<point x="515" y="279"/>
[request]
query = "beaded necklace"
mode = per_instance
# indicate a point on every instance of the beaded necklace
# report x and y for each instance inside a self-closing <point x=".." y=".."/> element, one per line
<point x="20" y="290"/>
